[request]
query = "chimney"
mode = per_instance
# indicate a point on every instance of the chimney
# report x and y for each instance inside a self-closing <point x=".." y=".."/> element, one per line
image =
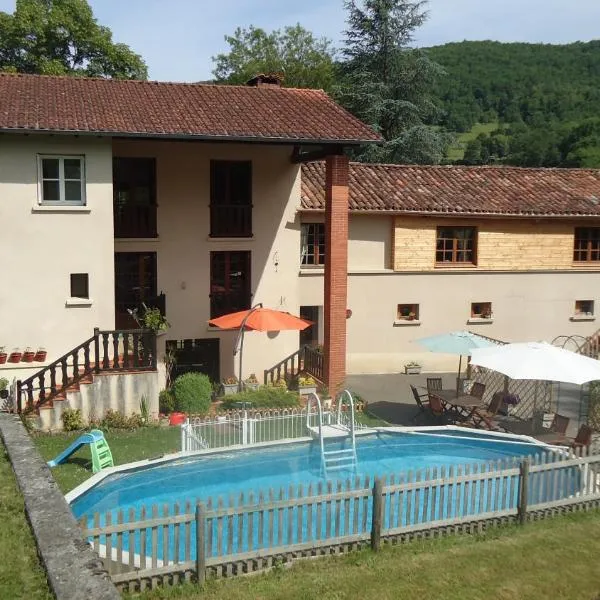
<point x="266" y="80"/>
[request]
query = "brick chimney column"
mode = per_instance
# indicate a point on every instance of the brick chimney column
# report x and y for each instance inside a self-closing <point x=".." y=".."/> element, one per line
<point x="336" y="270"/>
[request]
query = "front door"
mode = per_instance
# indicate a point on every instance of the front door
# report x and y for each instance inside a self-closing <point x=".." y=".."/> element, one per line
<point x="196" y="356"/>
<point x="310" y="335"/>
<point x="135" y="283"/>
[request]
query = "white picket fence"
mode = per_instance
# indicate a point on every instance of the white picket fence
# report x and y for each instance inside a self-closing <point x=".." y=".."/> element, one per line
<point x="245" y="428"/>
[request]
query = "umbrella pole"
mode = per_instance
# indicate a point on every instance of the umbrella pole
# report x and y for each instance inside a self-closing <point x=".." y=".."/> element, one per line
<point x="458" y="378"/>
<point x="241" y="356"/>
<point x="240" y="342"/>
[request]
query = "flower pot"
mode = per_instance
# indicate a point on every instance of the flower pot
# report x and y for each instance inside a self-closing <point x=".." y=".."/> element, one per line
<point x="15" y="357"/>
<point x="3" y="357"/>
<point x="230" y="388"/>
<point x="40" y="356"/>
<point x="177" y="418"/>
<point x="28" y="356"/>
<point x="3" y="394"/>
<point x="412" y="370"/>
<point x="307" y="389"/>
<point x="253" y="387"/>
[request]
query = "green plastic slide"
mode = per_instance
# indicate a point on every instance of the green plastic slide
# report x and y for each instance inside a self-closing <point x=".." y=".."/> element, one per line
<point x="101" y="455"/>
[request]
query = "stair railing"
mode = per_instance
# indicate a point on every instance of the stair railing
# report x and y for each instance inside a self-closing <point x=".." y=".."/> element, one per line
<point x="116" y="350"/>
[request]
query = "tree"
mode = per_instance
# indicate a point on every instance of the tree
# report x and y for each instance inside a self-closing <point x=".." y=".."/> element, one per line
<point x="388" y="84"/>
<point x="303" y="60"/>
<point x="62" y="37"/>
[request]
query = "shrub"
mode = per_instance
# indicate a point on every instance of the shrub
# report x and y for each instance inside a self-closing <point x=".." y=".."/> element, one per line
<point x="3" y="383"/>
<point x="193" y="392"/>
<point x="72" y="419"/>
<point x="166" y="402"/>
<point x="265" y="397"/>
<point x="113" y="419"/>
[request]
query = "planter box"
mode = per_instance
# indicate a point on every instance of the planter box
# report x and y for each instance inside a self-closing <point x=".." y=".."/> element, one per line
<point x="307" y="389"/>
<point x="230" y="388"/>
<point x="412" y="370"/>
<point x="253" y="387"/>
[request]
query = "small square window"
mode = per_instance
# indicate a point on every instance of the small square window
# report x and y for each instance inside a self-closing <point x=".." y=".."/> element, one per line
<point x="408" y="312"/>
<point x="80" y="286"/>
<point x="481" y="310"/>
<point x="61" y="180"/>
<point x="584" y="308"/>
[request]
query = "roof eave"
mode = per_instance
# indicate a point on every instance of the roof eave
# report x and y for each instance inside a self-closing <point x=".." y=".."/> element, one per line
<point x="194" y="137"/>
<point x="460" y="215"/>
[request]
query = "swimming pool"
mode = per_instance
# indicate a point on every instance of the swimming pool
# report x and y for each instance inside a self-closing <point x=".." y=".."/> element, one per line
<point x="276" y="494"/>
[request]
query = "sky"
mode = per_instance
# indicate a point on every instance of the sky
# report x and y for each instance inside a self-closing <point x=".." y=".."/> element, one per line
<point x="177" y="38"/>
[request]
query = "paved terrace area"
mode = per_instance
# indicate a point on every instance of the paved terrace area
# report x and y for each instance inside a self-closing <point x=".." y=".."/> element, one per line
<point x="389" y="396"/>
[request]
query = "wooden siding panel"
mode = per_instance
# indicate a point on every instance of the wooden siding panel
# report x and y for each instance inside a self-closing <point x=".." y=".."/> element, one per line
<point x="503" y="245"/>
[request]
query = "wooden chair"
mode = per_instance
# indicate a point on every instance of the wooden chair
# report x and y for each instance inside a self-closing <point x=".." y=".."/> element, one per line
<point x="421" y="403"/>
<point x="478" y="390"/>
<point x="434" y="383"/>
<point x="484" y="417"/>
<point x="583" y="439"/>
<point x="436" y="408"/>
<point x="560" y="424"/>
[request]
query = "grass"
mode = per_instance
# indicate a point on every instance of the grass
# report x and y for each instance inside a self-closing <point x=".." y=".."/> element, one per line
<point x="126" y="446"/>
<point x="457" y="151"/>
<point x="21" y="575"/>
<point x="554" y="559"/>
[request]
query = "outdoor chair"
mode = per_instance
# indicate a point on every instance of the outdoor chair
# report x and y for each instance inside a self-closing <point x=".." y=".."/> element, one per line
<point x="436" y="408"/>
<point x="583" y="439"/>
<point x="422" y="401"/>
<point x="477" y="390"/>
<point x="484" y="417"/>
<point x="557" y="434"/>
<point x="434" y="383"/>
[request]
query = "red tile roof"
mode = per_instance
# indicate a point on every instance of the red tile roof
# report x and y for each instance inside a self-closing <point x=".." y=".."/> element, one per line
<point x="153" y="109"/>
<point x="458" y="190"/>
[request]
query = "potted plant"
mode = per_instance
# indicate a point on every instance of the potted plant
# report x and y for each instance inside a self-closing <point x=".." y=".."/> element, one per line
<point x="153" y="319"/>
<point x="306" y="385"/>
<point x="412" y="368"/>
<point x="40" y="355"/>
<point x="15" y="356"/>
<point x="3" y="355"/>
<point x="252" y="383"/>
<point x="280" y="383"/>
<point x="230" y="385"/>
<point x="3" y="388"/>
<point x="28" y="355"/>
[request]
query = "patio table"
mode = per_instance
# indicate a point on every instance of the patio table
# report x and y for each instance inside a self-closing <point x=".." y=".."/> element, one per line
<point x="463" y="405"/>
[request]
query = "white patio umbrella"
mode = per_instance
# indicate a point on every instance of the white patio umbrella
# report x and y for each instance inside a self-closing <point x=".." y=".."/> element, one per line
<point x="538" y="360"/>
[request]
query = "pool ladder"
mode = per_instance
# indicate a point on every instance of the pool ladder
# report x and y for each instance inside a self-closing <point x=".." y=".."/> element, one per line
<point x="339" y="428"/>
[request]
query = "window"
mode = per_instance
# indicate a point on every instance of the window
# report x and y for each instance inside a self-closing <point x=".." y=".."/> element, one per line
<point x="456" y="245"/>
<point x="587" y="244"/>
<point x="80" y="286"/>
<point x="61" y="180"/>
<point x="408" y="312"/>
<point x="134" y="197"/>
<point x="229" y="282"/>
<point x="312" y="249"/>
<point x="481" y="310"/>
<point x="584" y="308"/>
<point x="230" y="198"/>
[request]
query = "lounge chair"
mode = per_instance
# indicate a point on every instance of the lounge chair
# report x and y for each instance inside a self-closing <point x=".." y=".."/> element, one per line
<point x="422" y="401"/>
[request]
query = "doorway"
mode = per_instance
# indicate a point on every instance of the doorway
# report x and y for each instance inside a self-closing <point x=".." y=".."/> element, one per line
<point x="311" y="336"/>
<point x="135" y="283"/>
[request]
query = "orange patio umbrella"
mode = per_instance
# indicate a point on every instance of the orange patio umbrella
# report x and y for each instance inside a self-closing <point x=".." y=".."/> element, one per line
<point x="257" y="318"/>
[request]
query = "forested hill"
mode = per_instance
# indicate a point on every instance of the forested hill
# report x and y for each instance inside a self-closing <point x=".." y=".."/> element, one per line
<point x="544" y="98"/>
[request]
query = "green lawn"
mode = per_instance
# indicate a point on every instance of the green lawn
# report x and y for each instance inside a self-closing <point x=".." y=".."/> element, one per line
<point x="21" y="575"/>
<point x="129" y="446"/>
<point x="556" y="559"/>
<point x="457" y="151"/>
<point x="126" y="446"/>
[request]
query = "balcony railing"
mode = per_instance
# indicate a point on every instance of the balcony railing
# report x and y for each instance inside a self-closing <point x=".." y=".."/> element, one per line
<point x="231" y="220"/>
<point x="135" y="220"/>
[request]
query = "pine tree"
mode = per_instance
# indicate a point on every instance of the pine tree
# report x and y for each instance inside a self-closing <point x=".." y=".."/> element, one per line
<point x="388" y="84"/>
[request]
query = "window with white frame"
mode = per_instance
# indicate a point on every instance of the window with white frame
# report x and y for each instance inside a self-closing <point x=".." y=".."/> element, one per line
<point x="61" y="180"/>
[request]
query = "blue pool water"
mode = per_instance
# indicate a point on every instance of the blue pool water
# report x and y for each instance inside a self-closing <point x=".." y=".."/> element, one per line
<point x="245" y="478"/>
<point x="274" y="467"/>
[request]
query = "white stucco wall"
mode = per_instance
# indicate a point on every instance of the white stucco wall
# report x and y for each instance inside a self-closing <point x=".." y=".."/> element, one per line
<point x="526" y="307"/>
<point x="183" y="246"/>
<point x="40" y="248"/>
